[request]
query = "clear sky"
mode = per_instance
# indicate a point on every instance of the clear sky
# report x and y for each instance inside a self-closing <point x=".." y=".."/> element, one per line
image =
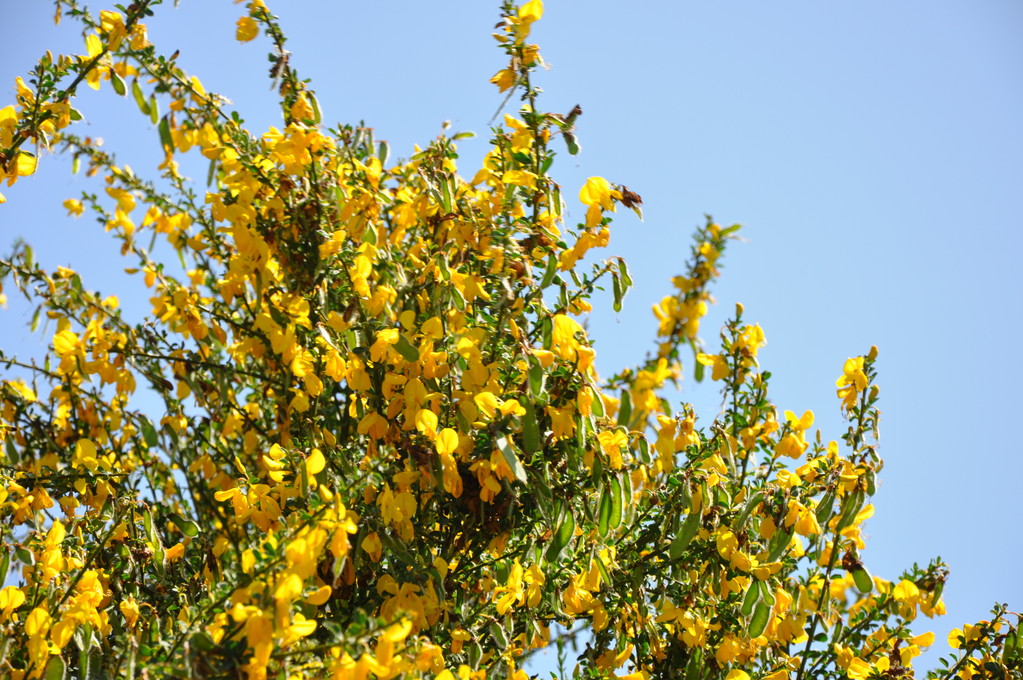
<point x="873" y="152"/>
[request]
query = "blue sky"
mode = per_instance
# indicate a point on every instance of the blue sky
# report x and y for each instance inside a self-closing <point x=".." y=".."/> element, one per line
<point x="873" y="152"/>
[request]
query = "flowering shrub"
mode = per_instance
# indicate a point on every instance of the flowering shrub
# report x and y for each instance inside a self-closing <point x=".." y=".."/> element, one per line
<point x="361" y="433"/>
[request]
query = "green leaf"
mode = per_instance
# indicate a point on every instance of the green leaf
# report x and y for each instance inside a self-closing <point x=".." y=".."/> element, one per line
<point x="406" y="349"/>
<point x="383" y="152"/>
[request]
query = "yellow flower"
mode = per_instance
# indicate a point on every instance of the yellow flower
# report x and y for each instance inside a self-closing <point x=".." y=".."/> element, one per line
<point x="504" y="79"/>
<point x="248" y="29"/>
<point x="598" y="191"/>
<point x="74" y="207"/>
<point x="531" y="11"/>
<point x="522" y="178"/>
<point x="487" y="403"/>
<point x="175" y="552"/>
<point x="563" y="337"/>
<point x="852" y="381"/>
<point x="37" y="625"/>
<point x="719" y="363"/>
<point x="315" y="463"/>
<point x="447" y="441"/>
<point x="11" y="598"/>
<point x="373" y="547"/>
<point x="320" y="595"/>
<point x="25" y="165"/>
<point x="777" y="675"/>
<point x="130" y="608"/>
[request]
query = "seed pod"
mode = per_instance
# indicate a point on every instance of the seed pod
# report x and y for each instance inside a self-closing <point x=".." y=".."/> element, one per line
<point x="861" y="577"/>
<point x="1011" y="652"/>
<point x="758" y="623"/>
<point x="752" y="503"/>
<point x="604" y="512"/>
<point x="778" y="543"/>
<point x="850" y="508"/>
<point x="563" y="534"/>
<point x="685" y="535"/>
<point x="694" y="667"/>
<point x="751" y="599"/>
<point x="825" y="507"/>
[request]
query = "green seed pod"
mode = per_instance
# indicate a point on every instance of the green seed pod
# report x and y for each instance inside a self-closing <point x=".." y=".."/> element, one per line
<point x="751" y="599"/>
<point x="694" y="667"/>
<point x="758" y="623"/>
<point x="861" y="577"/>
<point x="685" y="535"/>
<point x="871" y="478"/>
<point x="850" y="508"/>
<point x="825" y="507"/>
<point x="778" y="543"/>
<point x="1011" y="648"/>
